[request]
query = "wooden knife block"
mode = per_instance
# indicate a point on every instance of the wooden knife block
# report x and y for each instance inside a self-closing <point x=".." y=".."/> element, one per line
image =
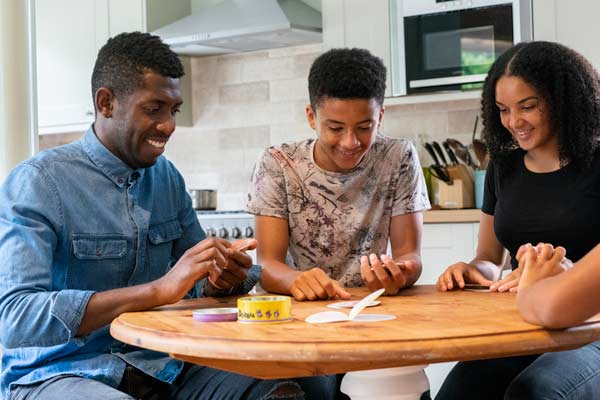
<point x="458" y="195"/>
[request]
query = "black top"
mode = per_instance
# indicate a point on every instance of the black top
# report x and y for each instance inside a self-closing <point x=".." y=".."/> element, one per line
<point x="560" y="207"/>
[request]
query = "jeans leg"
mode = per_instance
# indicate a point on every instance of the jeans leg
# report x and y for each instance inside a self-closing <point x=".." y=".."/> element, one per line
<point x="323" y="387"/>
<point x="202" y="383"/>
<point x="482" y="379"/>
<point x="572" y="375"/>
<point x="68" y="387"/>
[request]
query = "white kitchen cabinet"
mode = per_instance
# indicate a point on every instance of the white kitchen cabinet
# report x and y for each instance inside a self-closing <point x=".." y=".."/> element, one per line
<point x="69" y="34"/>
<point x="359" y="23"/>
<point x="571" y="22"/>
<point x="444" y="244"/>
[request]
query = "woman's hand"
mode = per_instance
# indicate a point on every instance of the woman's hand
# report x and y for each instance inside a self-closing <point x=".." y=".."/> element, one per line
<point x="511" y="281"/>
<point x="386" y="273"/>
<point x="456" y="275"/>
<point x="540" y="262"/>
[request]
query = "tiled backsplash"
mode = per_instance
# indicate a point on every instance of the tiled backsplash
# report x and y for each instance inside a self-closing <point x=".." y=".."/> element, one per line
<point x="243" y="103"/>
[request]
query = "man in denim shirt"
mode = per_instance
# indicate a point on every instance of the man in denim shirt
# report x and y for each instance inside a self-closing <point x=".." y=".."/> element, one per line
<point x="104" y="226"/>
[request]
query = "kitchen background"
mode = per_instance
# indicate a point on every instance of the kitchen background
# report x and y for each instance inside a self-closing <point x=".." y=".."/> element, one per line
<point x="243" y="103"/>
<point x="238" y="104"/>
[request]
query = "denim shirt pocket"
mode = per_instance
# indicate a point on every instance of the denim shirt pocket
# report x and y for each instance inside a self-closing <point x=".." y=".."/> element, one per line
<point x="161" y="237"/>
<point x="98" y="262"/>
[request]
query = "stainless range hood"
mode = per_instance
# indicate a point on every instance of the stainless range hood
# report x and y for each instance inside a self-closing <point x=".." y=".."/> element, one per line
<point x="244" y="25"/>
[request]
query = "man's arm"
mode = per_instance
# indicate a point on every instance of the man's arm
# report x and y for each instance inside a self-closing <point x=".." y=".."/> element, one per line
<point x="31" y="226"/>
<point x="277" y="277"/>
<point x="208" y="256"/>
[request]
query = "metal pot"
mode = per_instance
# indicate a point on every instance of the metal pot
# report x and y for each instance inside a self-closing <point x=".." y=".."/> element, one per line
<point x="203" y="199"/>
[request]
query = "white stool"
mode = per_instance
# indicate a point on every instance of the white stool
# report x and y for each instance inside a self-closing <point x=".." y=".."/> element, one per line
<point x="402" y="383"/>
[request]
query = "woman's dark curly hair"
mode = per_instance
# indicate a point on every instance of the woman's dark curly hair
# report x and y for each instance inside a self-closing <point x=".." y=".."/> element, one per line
<point x="569" y="85"/>
<point x="346" y="74"/>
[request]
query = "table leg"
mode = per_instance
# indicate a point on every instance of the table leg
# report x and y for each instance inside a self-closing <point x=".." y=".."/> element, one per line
<point x="402" y="383"/>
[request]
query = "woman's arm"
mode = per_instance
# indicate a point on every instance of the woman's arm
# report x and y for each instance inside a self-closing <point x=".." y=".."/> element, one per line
<point x="484" y="268"/>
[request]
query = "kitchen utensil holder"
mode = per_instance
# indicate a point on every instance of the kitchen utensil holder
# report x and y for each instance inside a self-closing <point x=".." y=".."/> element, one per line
<point x="459" y="194"/>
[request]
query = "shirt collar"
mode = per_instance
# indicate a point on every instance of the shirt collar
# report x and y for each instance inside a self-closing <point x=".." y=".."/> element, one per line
<point x="112" y="166"/>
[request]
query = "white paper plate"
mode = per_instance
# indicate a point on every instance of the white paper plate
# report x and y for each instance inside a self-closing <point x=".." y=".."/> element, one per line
<point x="350" y="304"/>
<point x="326" y="317"/>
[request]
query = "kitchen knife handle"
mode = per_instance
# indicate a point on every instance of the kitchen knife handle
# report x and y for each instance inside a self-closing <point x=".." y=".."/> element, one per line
<point x="453" y="158"/>
<point x="440" y="152"/>
<point x="431" y="153"/>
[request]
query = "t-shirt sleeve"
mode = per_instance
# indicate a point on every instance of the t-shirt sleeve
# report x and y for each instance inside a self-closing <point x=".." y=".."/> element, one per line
<point x="411" y="190"/>
<point x="267" y="194"/>
<point x="489" y="190"/>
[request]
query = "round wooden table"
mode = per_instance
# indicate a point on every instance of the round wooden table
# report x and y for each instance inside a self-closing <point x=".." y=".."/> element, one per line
<point x="430" y="327"/>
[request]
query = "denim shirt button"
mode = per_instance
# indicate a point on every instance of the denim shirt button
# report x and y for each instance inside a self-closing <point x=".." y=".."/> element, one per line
<point x="120" y="180"/>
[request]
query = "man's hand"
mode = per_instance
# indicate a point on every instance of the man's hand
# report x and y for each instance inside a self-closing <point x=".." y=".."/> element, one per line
<point x="236" y="270"/>
<point x="540" y="262"/>
<point x="314" y="284"/>
<point x="456" y="275"/>
<point x="386" y="273"/>
<point x="210" y="256"/>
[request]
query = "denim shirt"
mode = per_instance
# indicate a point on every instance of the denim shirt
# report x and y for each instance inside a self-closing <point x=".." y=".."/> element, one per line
<point x="76" y="220"/>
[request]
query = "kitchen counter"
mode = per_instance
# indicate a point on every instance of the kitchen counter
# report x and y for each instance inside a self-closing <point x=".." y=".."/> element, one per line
<point x="448" y="216"/>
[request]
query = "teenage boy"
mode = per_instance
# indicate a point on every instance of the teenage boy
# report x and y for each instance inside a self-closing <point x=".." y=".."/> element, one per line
<point x="334" y="201"/>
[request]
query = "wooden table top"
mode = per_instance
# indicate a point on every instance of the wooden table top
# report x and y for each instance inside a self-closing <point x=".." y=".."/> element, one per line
<point x="430" y="327"/>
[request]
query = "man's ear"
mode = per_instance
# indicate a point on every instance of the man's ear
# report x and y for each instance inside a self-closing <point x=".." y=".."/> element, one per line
<point x="104" y="100"/>
<point x="310" y="116"/>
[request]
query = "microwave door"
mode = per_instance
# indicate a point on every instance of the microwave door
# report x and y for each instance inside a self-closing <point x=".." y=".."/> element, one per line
<point x="454" y="50"/>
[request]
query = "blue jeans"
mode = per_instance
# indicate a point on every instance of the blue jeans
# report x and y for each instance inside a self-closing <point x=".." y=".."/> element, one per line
<point x="566" y="375"/>
<point x="195" y="383"/>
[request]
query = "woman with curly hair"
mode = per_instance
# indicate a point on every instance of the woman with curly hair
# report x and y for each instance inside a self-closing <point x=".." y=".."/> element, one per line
<point x="541" y="114"/>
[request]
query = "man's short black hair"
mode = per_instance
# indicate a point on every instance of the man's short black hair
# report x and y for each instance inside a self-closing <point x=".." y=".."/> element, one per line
<point x="346" y="74"/>
<point x="122" y="61"/>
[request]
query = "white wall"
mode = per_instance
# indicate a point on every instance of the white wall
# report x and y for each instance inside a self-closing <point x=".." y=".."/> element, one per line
<point x="243" y="103"/>
<point x="16" y="105"/>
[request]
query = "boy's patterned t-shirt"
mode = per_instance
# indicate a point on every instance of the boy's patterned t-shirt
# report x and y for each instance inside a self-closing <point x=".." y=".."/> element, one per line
<point x="334" y="218"/>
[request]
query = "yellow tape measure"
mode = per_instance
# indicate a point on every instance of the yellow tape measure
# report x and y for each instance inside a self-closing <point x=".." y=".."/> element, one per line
<point x="264" y="309"/>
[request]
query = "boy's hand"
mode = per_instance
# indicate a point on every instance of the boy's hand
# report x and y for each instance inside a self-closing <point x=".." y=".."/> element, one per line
<point x="385" y="273"/>
<point x="540" y="262"/>
<point x="314" y="284"/>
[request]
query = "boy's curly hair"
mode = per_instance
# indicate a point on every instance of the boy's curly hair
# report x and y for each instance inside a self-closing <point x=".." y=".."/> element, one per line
<point x="346" y="74"/>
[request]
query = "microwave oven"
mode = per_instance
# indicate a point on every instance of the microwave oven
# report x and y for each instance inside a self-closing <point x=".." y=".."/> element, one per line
<point x="450" y="45"/>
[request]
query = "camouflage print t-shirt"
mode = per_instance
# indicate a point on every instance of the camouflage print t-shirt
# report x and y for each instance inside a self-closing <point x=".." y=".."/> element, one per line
<point x="334" y="218"/>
